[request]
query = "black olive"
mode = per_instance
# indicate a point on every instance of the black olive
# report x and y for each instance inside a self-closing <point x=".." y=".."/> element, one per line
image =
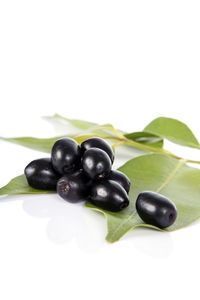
<point x="96" y="142"/>
<point x="74" y="187"/>
<point x="41" y="175"/>
<point x="109" y="195"/>
<point x="65" y="155"/>
<point x="96" y="163"/>
<point x="155" y="209"/>
<point x="121" y="178"/>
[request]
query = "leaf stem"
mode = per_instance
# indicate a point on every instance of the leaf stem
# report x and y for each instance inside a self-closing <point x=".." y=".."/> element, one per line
<point x="128" y="142"/>
<point x="118" y="144"/>
<point x="192" y="161"/>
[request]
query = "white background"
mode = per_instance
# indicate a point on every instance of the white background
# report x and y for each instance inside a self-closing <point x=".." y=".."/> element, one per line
<point x="121" y="62"/>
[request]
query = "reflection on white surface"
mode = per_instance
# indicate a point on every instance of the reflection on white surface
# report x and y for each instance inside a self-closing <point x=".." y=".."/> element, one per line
<point x="153" y="243"/>
<point x="73" y="222"/>
<point x="68" y="221"/>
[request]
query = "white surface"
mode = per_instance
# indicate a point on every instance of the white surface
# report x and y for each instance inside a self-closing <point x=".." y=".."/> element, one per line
<point x="122" y="62"/>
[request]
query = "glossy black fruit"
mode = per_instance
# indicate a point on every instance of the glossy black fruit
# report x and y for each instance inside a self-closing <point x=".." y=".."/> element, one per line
<point x="41" y="175"/>
<point x="121" y="178"/>
<point x="155" y="209"/>
<point x="65" y="155"/>
<point x="109" y="195"/>
<point x="74" y="187"/>
<point x="96" y="142"/>
<point x="96" y="163"/>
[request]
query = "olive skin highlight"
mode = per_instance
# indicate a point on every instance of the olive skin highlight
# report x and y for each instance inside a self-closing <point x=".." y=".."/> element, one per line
<point x="156" y="209"/>
<point x="96" y="163"/>
<point x="121" y="178"/>
<point x="41" y="175"/>
<point x="96" y="142"/>
<point x="65" y="155"/>
<point x="109" y="195"/>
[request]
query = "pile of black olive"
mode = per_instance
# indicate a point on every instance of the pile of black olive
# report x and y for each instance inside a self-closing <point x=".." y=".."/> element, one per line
<point x="85" y="173"/>
<point x="81" y="172"/>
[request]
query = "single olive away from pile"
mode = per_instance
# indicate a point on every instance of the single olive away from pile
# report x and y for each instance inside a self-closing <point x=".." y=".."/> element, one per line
<point x="155" y="209"/>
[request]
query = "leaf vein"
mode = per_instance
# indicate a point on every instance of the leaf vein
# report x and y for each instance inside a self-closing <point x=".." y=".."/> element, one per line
<point x="171" y="175"/>
<point x="122" y="224"/>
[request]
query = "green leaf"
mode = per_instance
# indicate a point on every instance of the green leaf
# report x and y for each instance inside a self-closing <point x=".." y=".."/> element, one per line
<point x="173" y="130"/>
<point x="19" y="185"/>
<point x="39" y="144"/>
<point x="80" y="124"/>
<point x="43" y="145"/>
<point x="87" y="127"/>
<point x="146" y="138"/>
<point x="162" y="174"/>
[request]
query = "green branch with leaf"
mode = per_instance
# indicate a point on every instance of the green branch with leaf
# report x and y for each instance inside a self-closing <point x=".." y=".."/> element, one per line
<point x="157" y="170"/>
